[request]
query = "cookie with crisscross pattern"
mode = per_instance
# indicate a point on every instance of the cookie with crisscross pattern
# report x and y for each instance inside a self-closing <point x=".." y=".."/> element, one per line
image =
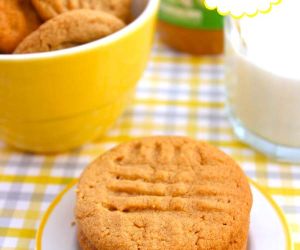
<point x="51" y="8"/>
<point x="163" y="193"/>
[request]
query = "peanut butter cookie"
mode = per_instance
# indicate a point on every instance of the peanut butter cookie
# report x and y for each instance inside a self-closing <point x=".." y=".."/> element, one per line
<point x="84" y="243"/>
<point x="163" y="193"/>
<point x="70" y="29"/>
<point x="50" y="8"/>
<point x="17" y="19"/>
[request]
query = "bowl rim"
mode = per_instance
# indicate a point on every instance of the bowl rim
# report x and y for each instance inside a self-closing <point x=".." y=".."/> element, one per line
<point x="150" y="9"/>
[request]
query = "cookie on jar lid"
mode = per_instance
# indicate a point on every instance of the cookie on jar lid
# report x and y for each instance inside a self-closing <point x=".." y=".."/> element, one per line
<point x="70" y="29"/>
<point x="51" y="8"/>
<point x="163" y="193"/>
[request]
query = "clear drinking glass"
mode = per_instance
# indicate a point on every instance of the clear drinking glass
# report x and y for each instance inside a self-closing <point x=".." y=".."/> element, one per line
<point x="262" y="57"/>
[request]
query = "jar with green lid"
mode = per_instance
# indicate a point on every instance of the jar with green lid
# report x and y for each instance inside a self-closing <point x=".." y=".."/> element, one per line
<point x="188" y="26"/>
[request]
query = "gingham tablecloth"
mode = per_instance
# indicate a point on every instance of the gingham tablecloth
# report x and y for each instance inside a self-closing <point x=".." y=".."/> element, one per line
<point x="178" y="95"/>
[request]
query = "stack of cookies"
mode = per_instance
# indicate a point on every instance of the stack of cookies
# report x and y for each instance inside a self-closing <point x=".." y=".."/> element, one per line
<point x="31" y="26"/>
<point x="163" y="193"/>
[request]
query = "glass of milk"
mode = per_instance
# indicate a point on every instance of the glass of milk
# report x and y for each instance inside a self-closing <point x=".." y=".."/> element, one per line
<point x="263" y="80"/>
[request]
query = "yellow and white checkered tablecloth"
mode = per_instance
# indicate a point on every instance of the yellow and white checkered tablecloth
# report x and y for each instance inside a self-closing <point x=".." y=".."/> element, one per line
<point x="178" y="94"/>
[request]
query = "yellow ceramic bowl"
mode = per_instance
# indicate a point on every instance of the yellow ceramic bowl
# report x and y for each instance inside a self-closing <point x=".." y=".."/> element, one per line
<point x="55" y="101"/>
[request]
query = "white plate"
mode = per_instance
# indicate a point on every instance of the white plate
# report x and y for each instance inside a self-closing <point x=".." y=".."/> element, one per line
<point x="268" y="227"/>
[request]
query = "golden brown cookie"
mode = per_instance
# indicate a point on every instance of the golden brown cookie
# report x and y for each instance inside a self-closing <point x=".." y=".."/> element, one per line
<point x="163" y="193"/>
<point x="17" y="19"/>
<point x="51" y="8"/>
<point x="70" y="29"/>
<point x="84" y="243"/>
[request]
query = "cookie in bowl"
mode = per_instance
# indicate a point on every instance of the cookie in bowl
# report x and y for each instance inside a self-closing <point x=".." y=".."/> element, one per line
<point x="163" y="193"/>
<point x="51" y="8"/>
<point x="17" y="20"/>
<point x="70" y="29"/>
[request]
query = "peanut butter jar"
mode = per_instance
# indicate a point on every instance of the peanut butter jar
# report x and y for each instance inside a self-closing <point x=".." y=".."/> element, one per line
<point x="186" y="25"/>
